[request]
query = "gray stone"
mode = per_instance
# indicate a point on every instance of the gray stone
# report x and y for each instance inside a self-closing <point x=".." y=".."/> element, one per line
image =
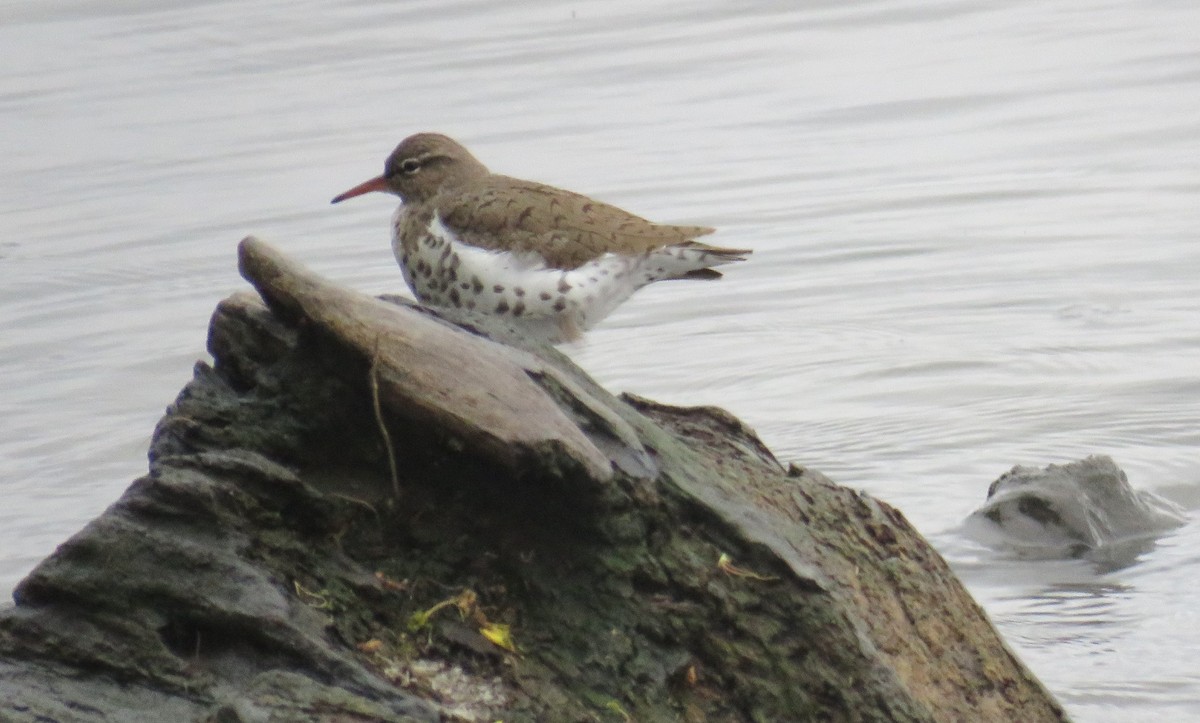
<point x="1081" y="508"/>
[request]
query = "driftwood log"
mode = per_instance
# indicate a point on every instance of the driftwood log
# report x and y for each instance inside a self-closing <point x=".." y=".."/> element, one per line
<point x="359" y="512"/>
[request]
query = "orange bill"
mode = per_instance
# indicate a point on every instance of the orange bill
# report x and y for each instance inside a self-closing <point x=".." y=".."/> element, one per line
<point x="379" y="183"/>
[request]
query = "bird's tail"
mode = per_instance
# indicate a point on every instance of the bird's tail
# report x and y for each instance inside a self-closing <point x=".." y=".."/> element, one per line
<point x="702" y="257"/>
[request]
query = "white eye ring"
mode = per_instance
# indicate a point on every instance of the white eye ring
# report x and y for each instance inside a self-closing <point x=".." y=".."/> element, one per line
<point x="410" y="166"/>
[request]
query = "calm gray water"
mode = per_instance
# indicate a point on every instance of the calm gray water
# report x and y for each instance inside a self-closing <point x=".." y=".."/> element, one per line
<point x="975" y="228"/>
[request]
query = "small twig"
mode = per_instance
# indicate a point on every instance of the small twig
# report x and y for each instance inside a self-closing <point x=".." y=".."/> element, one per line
<point x="387" y="438"/>
<point x="357" y="501"/>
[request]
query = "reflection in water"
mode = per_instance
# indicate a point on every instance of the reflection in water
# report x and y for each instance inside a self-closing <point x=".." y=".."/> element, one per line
<point x="974" y="232"/>
<point x="1118" y="621"/>
<point x="1076" y="614"/>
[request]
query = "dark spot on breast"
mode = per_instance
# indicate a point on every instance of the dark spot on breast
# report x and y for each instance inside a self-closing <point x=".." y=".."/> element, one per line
<point x="464" y="285"/>
<point x="452" y="275"/>
<point x="563" y="286"/>
<point x="445" y="252"/>
<point x="502" y="307"/>
<point x="470" y="303"/>
<point x="560" y="303"/>
<point x="544" y="296"/>
<point x="476" y="284"/>
<point x="455" y="261"/>
<point x="593" y="279"/>
<point x="455" y="299"/>
<point x="498" y="288"/>
<point x="519" y="309"/>
<point x="519" y="291"/>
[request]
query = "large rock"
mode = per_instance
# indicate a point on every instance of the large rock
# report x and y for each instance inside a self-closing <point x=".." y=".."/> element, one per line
<point x="344" y="512"/>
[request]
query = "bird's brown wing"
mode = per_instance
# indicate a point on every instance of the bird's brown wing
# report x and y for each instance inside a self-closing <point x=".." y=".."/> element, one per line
<point x="565" y="228"/>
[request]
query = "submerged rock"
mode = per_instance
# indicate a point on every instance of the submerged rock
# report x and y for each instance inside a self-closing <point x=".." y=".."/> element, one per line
<point x="359" y="512"/>
<point x="1070" y="510"/>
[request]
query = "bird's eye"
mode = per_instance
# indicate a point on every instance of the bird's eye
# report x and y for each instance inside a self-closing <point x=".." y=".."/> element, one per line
<point x="410" y="166"/>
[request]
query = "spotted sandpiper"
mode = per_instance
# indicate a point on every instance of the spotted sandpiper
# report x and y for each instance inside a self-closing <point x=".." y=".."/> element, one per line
<point x="539" y="261"/>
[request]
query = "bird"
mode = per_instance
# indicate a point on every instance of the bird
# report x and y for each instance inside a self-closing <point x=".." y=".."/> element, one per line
<point x="524" y="258"/>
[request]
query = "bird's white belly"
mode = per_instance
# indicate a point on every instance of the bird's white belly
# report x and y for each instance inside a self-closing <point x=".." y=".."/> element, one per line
<point x="546" y="304"/>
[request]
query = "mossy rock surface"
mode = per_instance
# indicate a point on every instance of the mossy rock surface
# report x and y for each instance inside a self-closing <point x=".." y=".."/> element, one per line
<point x="352" y="506"/>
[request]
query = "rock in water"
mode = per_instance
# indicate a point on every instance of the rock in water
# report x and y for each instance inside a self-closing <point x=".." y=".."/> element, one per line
<point x="358" y="512"/>
<point x="1070" y="510"/>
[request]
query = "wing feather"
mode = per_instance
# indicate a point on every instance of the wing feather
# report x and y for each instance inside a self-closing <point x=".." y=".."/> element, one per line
<point x="565" y="228"/>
